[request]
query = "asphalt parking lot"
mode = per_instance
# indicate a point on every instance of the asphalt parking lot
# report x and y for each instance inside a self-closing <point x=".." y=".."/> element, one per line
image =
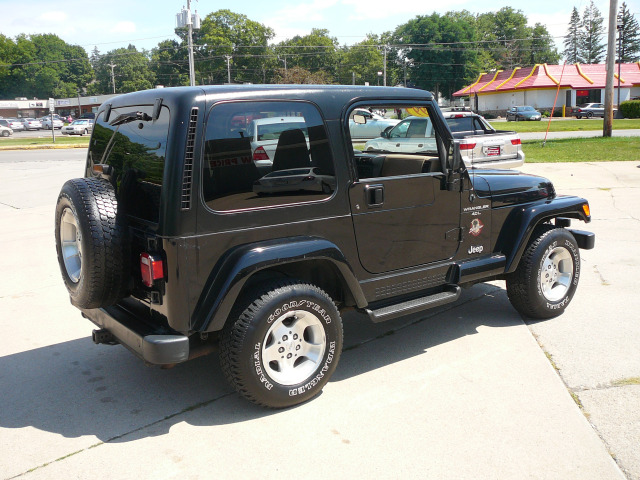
<point x="467" y="391"/>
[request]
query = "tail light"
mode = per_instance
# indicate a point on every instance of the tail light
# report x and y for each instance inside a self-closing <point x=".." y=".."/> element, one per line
<point x="260" y="154"/>
<point x="151" y="268"/>
<point x="516" y="141"/>
<point x="467" y="146"/>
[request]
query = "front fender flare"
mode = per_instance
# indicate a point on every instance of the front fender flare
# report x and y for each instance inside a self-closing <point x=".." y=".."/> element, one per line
<point x="520" y="223"/>
<point x="231" y="273"/>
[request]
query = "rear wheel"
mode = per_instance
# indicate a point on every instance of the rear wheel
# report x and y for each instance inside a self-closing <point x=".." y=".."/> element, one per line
<point x="589" y="114"/>
<point x="282" y="343"/>
<point x="547" y="276"/>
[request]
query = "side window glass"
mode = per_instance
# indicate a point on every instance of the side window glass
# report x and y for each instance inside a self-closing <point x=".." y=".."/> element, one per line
<point x="265" y="154"/>
<point x="397" y="140"/>
<point x="134" y="146"/>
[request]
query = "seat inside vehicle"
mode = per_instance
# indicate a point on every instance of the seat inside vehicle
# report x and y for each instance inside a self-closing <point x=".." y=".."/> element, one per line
<point x="291" y="151"/>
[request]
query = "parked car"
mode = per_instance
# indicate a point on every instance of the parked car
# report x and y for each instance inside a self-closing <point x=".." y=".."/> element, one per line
<point x="265" y="132"/>
<point x="31" y="124"/>
<point x="15" y="124"/>
<point x="46" y="123"/>
<point x="480" y="144"/>
<point x="526" y="112"/>
<point x="5" y="131"/>
<point x="588" y="110"/>
<point x="375" y="124"/>
<point x="78" y="127"/>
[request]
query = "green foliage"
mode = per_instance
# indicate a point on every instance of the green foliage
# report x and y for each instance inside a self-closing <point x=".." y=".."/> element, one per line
<point x="361" y="62"/>
<point x="629" y="36"/>
<point x="170" y="64"/>
<point x="314" y="52"/>
<point x="441" y="63"/>
<point x="572" y="41"/>
<point x="301" y="76"/>
<point x="42" y="66"/>
<point x="225" y="33"/>
<point x="592" y="46"/>
<point x="131" y="71"/>
<point x="630" y="109"/>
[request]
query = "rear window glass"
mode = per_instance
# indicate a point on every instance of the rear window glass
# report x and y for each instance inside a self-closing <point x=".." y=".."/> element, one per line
<point x="264" y="154"/>
<point x="135" y="149"/>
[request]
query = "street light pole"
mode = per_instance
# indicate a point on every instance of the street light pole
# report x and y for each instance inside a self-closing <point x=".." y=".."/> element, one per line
<point x="619" y="27"/>
<point x="611" y="52"/>
<point x="113" y="77"/>
<point x="192" y="72"/>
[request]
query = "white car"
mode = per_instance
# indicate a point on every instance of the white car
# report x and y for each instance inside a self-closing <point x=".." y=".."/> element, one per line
<point x="15" y="124"/>
<point x="411" y="135"/>
<point x="265" y="132"/>
<point x="78" y="127"/>
<point x="374" y="124"/>
<point x="31" y="124"/>
<point x="46" y="123"/>
<point x="5" y="131"/>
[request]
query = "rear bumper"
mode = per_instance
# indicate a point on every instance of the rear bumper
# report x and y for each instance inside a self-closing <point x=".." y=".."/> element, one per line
<point x="154" y="346"/>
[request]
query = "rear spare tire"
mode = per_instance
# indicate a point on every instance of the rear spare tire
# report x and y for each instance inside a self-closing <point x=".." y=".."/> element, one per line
<point x="91" y="243"/>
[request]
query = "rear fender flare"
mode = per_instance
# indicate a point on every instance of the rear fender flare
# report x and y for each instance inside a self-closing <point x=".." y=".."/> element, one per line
<point x="521" y="222"/>
<point x="232" y="272"/>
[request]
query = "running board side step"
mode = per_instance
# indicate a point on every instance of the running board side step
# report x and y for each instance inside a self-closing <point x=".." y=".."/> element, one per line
<point x="450" y="294"/>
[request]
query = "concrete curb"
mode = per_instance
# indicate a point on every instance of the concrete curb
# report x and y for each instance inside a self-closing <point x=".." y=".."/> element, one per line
<point x="46" y="146"/>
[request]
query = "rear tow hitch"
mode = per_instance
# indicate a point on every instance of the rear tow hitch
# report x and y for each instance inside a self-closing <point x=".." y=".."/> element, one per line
<point x="103" y="336"/>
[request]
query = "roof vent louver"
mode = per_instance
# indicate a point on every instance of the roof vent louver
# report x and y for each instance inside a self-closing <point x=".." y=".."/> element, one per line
<point x="187" y="175"/>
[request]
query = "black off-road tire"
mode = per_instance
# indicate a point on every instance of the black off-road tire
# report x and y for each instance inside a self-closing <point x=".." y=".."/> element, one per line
<point x="547" y="276"/>
<point x="281" y="343"/>
<point x="94" y="265"/>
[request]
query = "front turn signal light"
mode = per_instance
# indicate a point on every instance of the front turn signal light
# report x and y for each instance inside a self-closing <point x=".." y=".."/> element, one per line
<point x="586" y="210"/>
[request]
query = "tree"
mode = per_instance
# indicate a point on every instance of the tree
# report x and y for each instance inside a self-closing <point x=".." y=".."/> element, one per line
<point x="301" y="76"/>
<point x="131" y="72"/>
<point x="315" y="52"/>
<point x="629" y="36"/>
<point x="42" y="66"/>
<point x="227" y="34"/>
<point x="572" y="40"/>
<point x="542" y="47"/>
<point x="170" y="63"/>
<point x="438" y="49"/>
<point x="361" y="62"/>
<point x="593" y="49"/>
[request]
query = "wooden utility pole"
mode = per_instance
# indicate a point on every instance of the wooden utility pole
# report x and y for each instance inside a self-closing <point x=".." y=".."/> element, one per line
<point x="611" y="58"/>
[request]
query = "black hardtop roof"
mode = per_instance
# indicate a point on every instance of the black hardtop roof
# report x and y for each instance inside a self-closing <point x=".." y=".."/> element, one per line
<point x="331" y="98"/>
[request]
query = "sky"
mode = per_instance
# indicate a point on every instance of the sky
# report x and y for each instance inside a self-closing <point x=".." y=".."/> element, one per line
<point x="118" y="23"/>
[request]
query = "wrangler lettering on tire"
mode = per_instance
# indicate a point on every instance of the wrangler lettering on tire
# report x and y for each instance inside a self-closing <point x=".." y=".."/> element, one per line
<point x="282" y="343"/>
<point x="547" y="276"/>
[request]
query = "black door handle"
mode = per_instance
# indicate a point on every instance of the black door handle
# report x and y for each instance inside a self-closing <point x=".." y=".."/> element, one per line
<point x="374" y="195"/>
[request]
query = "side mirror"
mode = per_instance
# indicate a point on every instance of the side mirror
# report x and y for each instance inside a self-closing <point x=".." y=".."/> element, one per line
<point x="385" y="132"/>
<point x="359" y="119"/>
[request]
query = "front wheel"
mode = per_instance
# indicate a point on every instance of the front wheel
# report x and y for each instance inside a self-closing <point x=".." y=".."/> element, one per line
<point x="547" y="276"/>
<point x="282" y="343"/>
<point x="589" y="114"/>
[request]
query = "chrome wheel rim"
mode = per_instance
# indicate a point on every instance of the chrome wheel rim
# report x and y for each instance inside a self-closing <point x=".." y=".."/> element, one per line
<point x="70" y="243"/>
<point x="294" y="347"/>
<point x="556" y="274"/>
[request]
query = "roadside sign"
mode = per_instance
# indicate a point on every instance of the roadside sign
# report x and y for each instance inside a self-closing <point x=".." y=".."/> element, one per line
<point x="51" y="106"/>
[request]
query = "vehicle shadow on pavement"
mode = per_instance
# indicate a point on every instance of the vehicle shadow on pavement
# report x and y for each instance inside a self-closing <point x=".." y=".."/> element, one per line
<point x="77" y="389"/>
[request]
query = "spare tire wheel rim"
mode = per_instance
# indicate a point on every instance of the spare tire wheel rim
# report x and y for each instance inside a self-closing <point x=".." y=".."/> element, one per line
<point x="556" y="274"/>
<point x="294" y="347"/>
<point x="71" y="244"/>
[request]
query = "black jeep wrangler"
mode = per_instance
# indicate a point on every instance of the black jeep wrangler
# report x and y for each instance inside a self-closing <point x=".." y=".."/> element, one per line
<point x="244" y="218"/>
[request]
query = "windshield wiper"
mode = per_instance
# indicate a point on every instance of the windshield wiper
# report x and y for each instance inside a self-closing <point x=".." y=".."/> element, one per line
<point x="130" y="117"/>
